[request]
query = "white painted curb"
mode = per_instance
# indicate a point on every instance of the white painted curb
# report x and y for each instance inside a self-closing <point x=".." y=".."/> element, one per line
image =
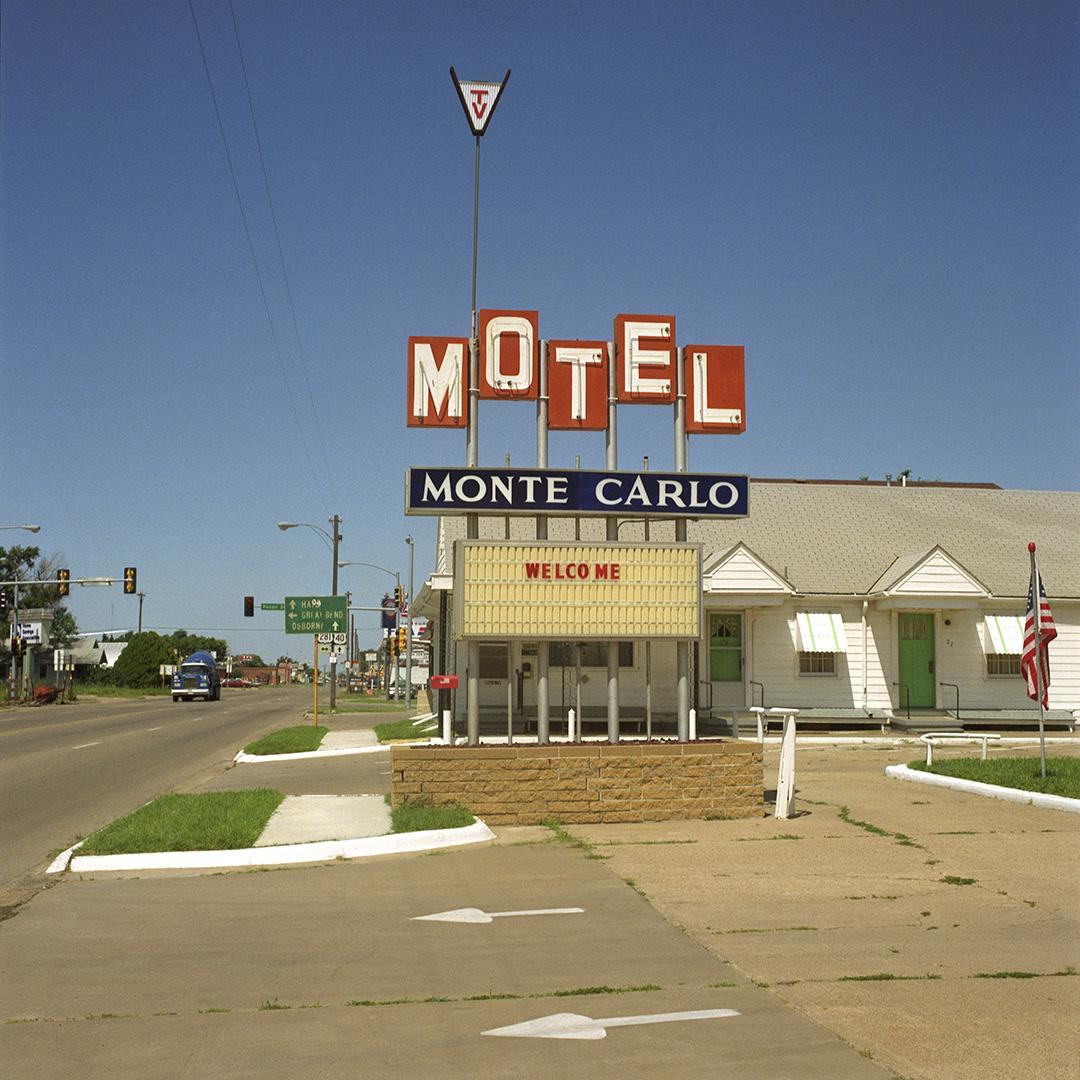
<point x="281" y="855"/>
<point x="990" y="791"/>
<point x="308" y="755"/>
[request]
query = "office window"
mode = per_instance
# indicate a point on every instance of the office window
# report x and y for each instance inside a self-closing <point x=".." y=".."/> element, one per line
<point x="593" y="654"/>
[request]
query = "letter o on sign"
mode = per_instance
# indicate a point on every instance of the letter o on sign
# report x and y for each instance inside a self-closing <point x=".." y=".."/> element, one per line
<point x="462" y="494"/>
<point x="733" y="495"/>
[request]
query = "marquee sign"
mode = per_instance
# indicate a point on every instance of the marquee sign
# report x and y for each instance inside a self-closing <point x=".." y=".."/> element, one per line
<point x="574" y="492"/>
<point x="577" y="592"/>
<point x="643" y="351"/>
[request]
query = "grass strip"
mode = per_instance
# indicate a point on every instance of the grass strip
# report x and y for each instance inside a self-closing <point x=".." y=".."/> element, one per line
<point x="421" y="817"/>
<point x="1062" y="774"/>
<point x="372" y="705"/>
<point x="105" y="690"/>
<point x="400" y="729"/>
<point x="291" y="740"/>
<point x="210" y="821"/>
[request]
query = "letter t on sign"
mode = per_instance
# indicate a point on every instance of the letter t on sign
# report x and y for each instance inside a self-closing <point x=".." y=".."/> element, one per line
<point x="577" y="385"/>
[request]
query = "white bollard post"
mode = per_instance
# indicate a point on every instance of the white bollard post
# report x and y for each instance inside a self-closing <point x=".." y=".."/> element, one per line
<point x="785" y="783"/>
<point x="446" y="726"/>
<point x="693" y="725"/>
<point x="570" y="719"/>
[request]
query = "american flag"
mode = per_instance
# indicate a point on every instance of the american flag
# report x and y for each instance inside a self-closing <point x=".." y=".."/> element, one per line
<point x="1047" y="633"/>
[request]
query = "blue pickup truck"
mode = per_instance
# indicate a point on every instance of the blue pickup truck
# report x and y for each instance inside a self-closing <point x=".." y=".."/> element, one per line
<point x="197" y="678"/>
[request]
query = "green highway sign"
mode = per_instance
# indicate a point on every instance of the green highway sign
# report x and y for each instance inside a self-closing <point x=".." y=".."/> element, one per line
<point x="271" y="607"/>
<point x="316" y="615"/>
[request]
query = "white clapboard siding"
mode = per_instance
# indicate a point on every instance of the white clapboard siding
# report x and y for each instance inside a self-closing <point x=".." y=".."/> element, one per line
<point x="938" y="574"/>
<point x="740" y="572"/>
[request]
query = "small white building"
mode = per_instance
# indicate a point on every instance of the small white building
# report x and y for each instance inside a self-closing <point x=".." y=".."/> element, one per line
<point x="856" y="602"/>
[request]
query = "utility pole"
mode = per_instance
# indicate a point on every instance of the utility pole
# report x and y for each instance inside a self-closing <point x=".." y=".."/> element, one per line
<point x="142" y="596"/>
<point x="336" y="522"/>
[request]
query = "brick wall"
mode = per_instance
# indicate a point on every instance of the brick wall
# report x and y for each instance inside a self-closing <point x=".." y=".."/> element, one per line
<point x="522" y="785"/>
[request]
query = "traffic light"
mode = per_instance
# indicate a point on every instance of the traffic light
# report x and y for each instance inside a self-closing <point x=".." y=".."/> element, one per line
<point x="401" y="634"/>
<point x="3" y="603"/>
<point x="399" y="597"/>
<point x="130" y="579"/>
<point x="65" y="581"/>
<point x="18" y="647"/>
<point x="249" y="605"/>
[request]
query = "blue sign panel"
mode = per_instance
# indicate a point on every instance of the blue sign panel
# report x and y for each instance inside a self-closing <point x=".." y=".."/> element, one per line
<point x="575" y="492"/>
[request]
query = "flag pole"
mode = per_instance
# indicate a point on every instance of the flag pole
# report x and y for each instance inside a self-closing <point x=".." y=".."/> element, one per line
<point x="1036" y="593"/>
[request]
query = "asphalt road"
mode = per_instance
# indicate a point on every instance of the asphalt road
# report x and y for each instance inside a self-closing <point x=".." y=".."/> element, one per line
<point x="67" y="770"/>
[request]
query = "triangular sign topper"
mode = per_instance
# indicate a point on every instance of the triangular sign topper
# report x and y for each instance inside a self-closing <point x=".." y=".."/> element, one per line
<point x="479" y="99"/>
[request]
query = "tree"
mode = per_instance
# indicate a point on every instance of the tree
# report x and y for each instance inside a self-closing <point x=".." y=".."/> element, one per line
<point x="140" y="661"/>
<point x="26" y="563"/>
<point x="186" y="644"/>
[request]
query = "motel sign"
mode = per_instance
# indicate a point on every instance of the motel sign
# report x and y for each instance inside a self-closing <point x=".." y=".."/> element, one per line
<point x="643" y="352"/>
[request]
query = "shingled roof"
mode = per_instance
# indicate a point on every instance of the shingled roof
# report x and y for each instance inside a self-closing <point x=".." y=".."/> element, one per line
<point x="840" y="537"/>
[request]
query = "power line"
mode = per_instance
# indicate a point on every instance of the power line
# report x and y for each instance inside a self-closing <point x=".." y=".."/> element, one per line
<point x="251" y="246"/>
<point x="281" y="255"/>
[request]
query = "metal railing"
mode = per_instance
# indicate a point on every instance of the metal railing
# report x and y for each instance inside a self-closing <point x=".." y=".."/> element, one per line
<point x="905" y="692"/>
<point x="761" y="687"/>
<point x="957" y="689"/>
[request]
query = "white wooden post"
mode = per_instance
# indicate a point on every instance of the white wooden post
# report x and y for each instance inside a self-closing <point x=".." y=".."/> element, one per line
<point x="785" y="783"/>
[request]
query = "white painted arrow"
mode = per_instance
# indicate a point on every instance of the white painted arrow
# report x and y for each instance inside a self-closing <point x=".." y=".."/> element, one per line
<point x="475" y="915"/>
<point x="573" y="1026"/>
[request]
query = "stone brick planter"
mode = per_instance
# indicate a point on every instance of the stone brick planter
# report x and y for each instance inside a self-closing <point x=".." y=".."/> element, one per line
<point x="522" y="785"/>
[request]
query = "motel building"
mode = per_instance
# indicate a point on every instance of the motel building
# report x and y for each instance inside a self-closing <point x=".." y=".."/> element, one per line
<point x="862" y="604"/>
<point x="576" y="613"/>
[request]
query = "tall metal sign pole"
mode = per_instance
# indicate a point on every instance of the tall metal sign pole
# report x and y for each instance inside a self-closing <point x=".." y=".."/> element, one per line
<point x="479" y="100"/>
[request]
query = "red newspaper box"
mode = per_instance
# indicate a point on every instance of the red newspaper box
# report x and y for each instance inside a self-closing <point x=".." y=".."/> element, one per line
<point x="444" y="682"/>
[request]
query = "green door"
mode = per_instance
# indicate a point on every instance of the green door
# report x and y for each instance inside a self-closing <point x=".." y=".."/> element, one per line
<point x="725" y="647"/>
<point x="916" y="633"/>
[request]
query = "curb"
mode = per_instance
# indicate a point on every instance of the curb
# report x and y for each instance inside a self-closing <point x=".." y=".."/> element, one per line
<point x="308" y="755"/>
<point x="990" y="791"/>
<point x="281" y="855"/>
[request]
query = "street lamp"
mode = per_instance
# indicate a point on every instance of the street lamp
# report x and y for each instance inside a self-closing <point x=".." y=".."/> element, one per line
<point x="397" y="581"/>
<point x="334" y="541"/>
<point x="28" y="528"/>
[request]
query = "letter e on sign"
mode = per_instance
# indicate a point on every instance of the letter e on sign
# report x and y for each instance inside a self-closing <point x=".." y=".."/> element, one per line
<point x="509" y="353"/>
<point x="437" y="376"/>
<point x="645" y="358"/>
<point x="715" y="389"/>
<point x="577" y="385"/>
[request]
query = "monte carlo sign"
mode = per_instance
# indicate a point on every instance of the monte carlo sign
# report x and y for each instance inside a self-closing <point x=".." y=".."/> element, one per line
<point x="573" y="492"/>
<point x="643" y="356"/>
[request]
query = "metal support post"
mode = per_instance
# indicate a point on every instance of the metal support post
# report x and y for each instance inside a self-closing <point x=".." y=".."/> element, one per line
<point x="611" y="447"/>
<point x="408" y="630"/>
<point x="543" y="702"/>
<point x="682" y="651"/>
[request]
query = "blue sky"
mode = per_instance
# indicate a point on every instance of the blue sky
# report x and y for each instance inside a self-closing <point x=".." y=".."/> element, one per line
<point x="877" y="199"/>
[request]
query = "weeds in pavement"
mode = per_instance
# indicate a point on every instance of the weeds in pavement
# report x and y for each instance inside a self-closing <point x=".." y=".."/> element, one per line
<point x="952" y="879"/>
<point x="901" y="838"/>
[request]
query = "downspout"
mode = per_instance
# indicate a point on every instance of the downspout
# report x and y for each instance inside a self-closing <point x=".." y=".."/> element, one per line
<point x="865" y="606"/>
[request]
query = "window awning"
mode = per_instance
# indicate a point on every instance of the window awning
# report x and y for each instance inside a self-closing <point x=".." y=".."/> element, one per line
<point x="821" y="631"/>
<point x="1004" y="634"/>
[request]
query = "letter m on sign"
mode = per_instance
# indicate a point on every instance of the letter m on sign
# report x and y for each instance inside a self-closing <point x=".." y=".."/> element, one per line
<point x="436" y="374"/>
